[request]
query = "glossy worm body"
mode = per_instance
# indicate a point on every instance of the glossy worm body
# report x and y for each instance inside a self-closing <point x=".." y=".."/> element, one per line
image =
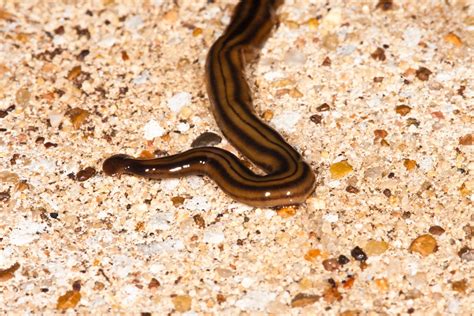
<point x="289" y="180"/>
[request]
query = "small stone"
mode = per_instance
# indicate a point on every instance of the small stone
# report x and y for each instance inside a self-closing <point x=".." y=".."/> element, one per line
<point x="469" y="231"/>
<point x="409" y="164"/>
<point x="436" y="230"/>
<point x="152" y="129"/>
<point x="182" y="303"/>
<point x="313" y="23"/>
<point x="387" y="193"/>
<point x="384" y="5"/>
<point x="220" y="298"/>
<point x="358" y="254"/>
<point x="424" y="245"/>
<point x="453" y="39"/>
<point x="423" y="73"/>
<point x="331" y="295"/>
<point x="267" y="115"/>
<point x="4" y="196"/>
<point x="459" y="286"/>
<point x="316" y="118"/>
<point x="68" y="300"/>
<point x="382" y="284"/>
<point x="178" y="101"/>
<point x="77" y="116"/>
<point x="206" y="139"/>
<point x="340" y="169"/>
<point x="379" y="54"/>
<point x="4" y="113"/>
<point x="302" y="300"/>
<point x="330" y="41"/>
<point x="342" y="260"/>
<point x="375" y="247"/>
<point x="352" y="189"/>
<point x="74" y="73"/>
<point x="199" y="221"/>
<point x="326" y="62"/>
<point x="286" y="212"/>
<point x="9" y="273"/>
<point x="378" y="79"/>
<point x="466" y="140"/>
<point x="177" y="200"/>
<point x="323" y="107"/>
<point x="197" y="31"/>
<point x="380" y="133"/>
<point x="312" y="255"/>
<point x="23" y="96"/>
<point x="331" y="264"/>
<point x="403" y="109"/>
<point x="85" y="174"/>
<point x="154" y="284"/>
<point x="413" y="121"/>
<point x="466" y="253"/>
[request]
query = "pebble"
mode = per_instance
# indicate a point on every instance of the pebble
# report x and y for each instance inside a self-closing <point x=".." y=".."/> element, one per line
<point x="302" y="300"/>
<point x="423" y="73"/>
<point x="9" y="273"/>
<point x="459" y="286"/>
<point x="23" y="96"/>
<point x="286" y="212"/>
<point x="286" y="121"/>
<point x="154" y="284"/>
<point x="85" y="174"/>
<point x="197" y="203"/>
<point x="340" y="169"/>
<point x="77" y="116"/>
<point x="255" y="300"/>
<point x="409" y="164"/>
<point x="342" y="260"/>
<point x="206" y="139"/>
<point x="375" y="247"/>
<point x="182" y="303"/>
<point x="199" y="221"/>
<point x="466" y="254"/>
<point x="178" y="101"/>
<point x="358" y="254"/>
<point x="213" y="237"/>
<point x="331" y="264"/>
<point x="69" y="300"/>
<point x="152" y="129"/>
<point x="4" y="196"/>
<point x="436" y="230"/>
<point x="424" y="245"/>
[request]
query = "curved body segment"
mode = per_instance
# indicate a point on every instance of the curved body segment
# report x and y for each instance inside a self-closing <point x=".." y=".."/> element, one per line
<point x="289" y="179"/>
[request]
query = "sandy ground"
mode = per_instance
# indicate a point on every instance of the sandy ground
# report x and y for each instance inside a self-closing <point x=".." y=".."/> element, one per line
<point x="377" y="96"/>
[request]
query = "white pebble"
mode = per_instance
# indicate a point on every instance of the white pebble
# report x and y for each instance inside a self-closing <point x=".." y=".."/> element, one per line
<point x="273" y="75"/>
<point x="134" y="23"/>
<point x="213" y="237"/>
<point x="183" y="127"/>
<point x="331" y="218"/>
<point x="152" y="129"/>
<point x="426" y="163"/>
<point x="286" y="121"/>
<point x="255" y="300"/>
<point x="197" y="203"/>
<point x="179" y="100"/>
<point x="107" y="42"/>
<point x="170" y="184"/>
